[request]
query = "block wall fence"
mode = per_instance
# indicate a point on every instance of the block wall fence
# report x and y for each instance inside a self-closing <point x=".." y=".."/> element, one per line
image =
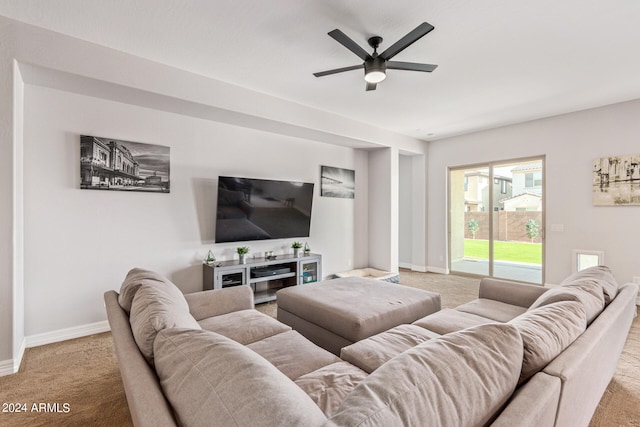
<point x="509" y="225"/>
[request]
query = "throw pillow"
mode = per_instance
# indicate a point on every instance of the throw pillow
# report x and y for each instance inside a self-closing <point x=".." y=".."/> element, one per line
<point x="600" y="274"/>
<point x="459" y="379"/>
<point x="137" y="277"/>
<point x="212" y="380"/>
<point x="546" y="331"/>
<point x="154" y="309"/>
<point x="592" y="299"/>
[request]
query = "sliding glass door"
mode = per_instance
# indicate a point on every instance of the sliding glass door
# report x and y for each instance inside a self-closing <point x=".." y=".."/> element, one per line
<point x="496" y="218"/>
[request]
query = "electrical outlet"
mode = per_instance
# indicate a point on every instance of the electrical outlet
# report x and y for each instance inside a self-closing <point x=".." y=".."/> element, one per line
<point x="636" y="279"/>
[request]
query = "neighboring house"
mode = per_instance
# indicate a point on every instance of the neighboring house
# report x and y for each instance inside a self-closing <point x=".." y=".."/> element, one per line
<point x="525" y="202"/>
<point x="476" y="190"/>
<point x="527" y="178"/>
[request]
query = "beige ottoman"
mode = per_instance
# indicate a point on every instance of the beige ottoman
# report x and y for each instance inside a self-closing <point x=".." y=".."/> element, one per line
<point x="336" y="313"/>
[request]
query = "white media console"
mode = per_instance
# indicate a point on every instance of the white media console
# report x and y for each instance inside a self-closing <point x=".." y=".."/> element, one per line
<point x="265" y="275"/>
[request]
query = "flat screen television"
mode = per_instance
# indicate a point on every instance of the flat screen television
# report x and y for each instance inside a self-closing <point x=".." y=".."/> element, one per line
<point x="259" y="209"/>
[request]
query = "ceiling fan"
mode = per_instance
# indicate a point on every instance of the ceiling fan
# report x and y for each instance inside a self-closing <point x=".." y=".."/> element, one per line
<point x="375" y="65"/>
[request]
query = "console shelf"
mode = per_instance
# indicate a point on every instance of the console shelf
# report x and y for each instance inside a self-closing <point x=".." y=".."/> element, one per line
<point x="265" y="275"/>
<point x="275" y="277"/>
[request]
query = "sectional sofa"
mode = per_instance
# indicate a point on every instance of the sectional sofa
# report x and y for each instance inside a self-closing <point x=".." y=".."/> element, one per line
<point x="518" y="355"/>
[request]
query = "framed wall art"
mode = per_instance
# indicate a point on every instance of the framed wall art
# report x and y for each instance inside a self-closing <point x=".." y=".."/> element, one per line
<point x="113" y="164"/>
<point x="616" y="181"/>
<point x="337" y="182"/>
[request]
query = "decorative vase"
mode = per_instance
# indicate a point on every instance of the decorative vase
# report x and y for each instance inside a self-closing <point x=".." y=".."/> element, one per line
<point x="242" y="259"/>
<point x="296" y="252"/>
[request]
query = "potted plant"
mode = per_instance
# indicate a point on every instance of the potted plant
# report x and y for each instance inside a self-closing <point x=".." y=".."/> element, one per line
<point x="210" y="259"/>
<point x="242" y="251"/>
<point x="296" y="248"/>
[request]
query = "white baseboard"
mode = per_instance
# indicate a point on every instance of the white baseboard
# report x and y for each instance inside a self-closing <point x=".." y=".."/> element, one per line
<point x="423" y="269"/>
<point x="409" y="266"/>
<point x="438" y="270"/>
<point x="7" y="367"/>
<point x="11" y="366"/>
<point x="67" y="334"/>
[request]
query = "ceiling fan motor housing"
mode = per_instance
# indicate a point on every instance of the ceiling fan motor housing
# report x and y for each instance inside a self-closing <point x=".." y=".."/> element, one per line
<point x="375" y="69"/>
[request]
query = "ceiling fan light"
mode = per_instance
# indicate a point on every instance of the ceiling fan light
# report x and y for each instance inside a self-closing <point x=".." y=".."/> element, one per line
<point x="375" y="69"/>
<point x="374" y="76"/>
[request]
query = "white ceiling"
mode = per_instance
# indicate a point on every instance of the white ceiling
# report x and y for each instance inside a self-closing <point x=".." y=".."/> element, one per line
<point x="500" y="61"/>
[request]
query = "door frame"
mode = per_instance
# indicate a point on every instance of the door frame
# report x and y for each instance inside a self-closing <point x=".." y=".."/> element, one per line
<point x="490" y="166"/>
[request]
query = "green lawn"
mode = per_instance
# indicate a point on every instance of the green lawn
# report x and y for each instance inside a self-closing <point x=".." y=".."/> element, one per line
<point x="504" y="251"/>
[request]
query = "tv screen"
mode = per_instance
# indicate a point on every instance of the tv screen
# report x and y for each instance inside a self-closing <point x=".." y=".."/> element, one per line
<point x="260" y="209"/>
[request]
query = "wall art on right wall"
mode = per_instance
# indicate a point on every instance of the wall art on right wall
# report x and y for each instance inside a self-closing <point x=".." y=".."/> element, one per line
<point x="337" y="182"/>
<point x="616" y="181"/>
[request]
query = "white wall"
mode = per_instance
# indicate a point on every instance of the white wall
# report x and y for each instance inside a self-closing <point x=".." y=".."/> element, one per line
<point x="80" y="243"/>
<point x="412" y="181"/>
<point x="570" y="142"/>
<point x="405" y="219"/>
<point x="383" y="209"/>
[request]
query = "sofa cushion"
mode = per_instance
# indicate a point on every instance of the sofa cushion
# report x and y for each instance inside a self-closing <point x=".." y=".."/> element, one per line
<point x="460" y="379"/>
<point x="244" y="326"/>
<point x="210" y="379"/>
<point x="293" y="354"/>
<point x="546" y="331"/>
<point x="491" y="309"/>
<point x="588" y="294"/>
<point x="450" y="320"/>
<point x="371" y="353"/>
<point x="600" y="274"/>
<point x="137" y="277"/>
<point x="329" y="385"/>
<point x="154" y="309"/>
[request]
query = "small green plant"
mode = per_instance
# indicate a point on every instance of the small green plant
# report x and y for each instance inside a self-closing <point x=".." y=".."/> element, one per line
<point x="296" y="245"/>
<point x="533" y="229"/>
<point x="473" y="227"/>
<point x="242" y="250"/>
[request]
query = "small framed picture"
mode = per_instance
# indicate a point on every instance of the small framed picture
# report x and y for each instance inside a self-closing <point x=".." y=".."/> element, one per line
<point x="337" y="182"/>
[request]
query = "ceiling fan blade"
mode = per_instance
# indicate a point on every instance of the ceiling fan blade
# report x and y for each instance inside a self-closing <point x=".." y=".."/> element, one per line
<point x="345" y="41"/>
<point x="411" y="66"/>
<point x="413" y="36"/>
<point x="338" y="70"/>
<point x="371" y="86"/>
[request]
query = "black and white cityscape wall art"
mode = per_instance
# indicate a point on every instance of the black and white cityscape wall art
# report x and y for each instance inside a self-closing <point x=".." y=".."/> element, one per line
<point x="337" y="182"/>
<point x="114" y="164"/>
<point x="616" y="181"/>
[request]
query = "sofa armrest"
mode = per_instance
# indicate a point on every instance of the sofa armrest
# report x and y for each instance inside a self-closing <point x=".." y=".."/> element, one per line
<point x="147" y="404"/>
<point x="508" y="292"/>
<point x="216" y="302"/>
<point x="538" y="399"/>
<point x="587" y="366"/>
